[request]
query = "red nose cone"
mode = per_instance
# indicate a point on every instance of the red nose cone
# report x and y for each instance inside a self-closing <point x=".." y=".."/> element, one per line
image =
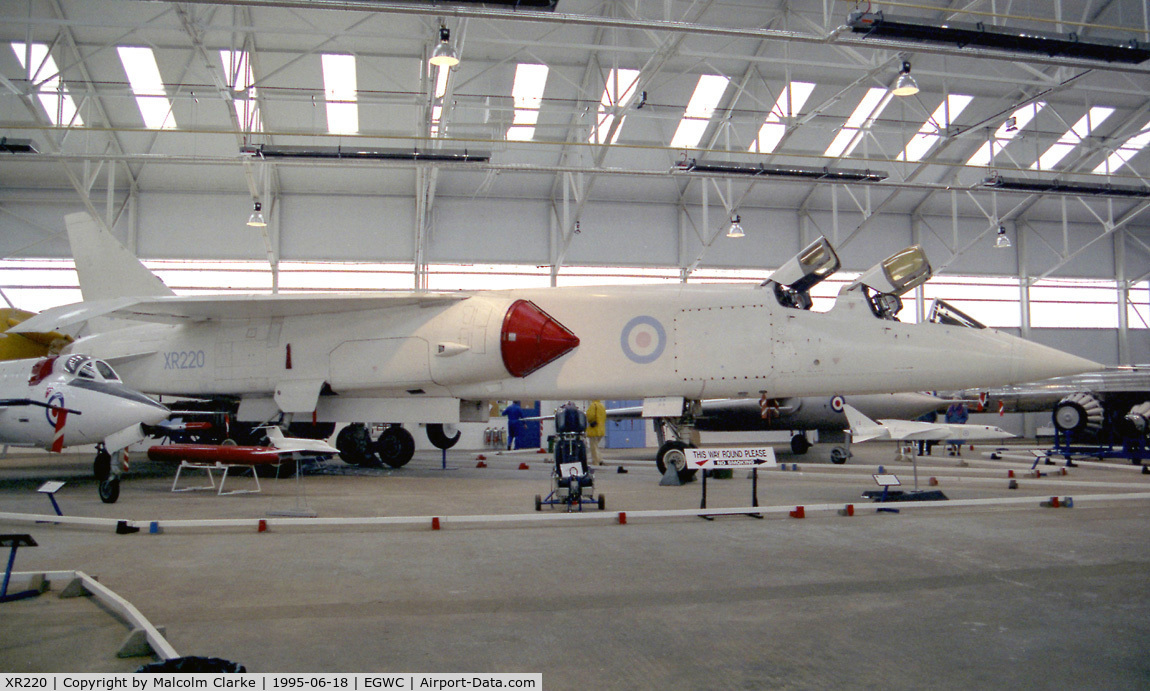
<point x="531" y="338"/>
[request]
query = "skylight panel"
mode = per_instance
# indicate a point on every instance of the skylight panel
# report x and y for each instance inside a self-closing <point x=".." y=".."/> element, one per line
<point x="54" y="97"/>
<point x="931" y="130"/>
<point x="239" y="77"/>
<point x="1073" y="137"/>
<point x="621" y="84"/>
<point x="1127" y="151"/>
<point x="339" y="86"/>
<point x="1007" y="131"/>
<point x="708" y="92"/>
<point x="527" y="95"/>
<point x="144" y="76"/>
<point x="790" y="102"/>
<point x="868" y="110"/>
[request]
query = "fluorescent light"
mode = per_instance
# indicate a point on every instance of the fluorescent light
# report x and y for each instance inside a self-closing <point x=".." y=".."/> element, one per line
<point x="340" y="91"/>
<point x="931" y="130"/>
<point x="1020" y="118"/>
<point x="790" y="102"/>
<point x="239" y="77"/>
<point x="1127" y="151"/>
<point x="527" y="95"/>
<point x="864" y="115"/>
<point x="441" y="75"/>
<point x="144" y="76"/>
<point x="1072" y="138"/>
<point x="54" y="96"/>
<point x="620" y="87"/>
<point x="708" y="92"/>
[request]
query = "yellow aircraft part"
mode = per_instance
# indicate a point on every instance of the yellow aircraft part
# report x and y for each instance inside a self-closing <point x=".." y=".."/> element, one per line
<point x="19" y="346"/>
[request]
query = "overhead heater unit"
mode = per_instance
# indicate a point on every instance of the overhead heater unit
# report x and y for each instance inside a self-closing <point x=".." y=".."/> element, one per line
<point x="692" y="165"/>
<point x="367" y="153"/>
<point x="1079" y="189"/>
<point x="963" y="34"/>
<point x="17" y="146"/>
<point x="533" y="5"/>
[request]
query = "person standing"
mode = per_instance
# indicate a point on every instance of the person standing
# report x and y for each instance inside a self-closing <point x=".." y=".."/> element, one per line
<point x="514" y="415"/>
<point x="596" y="429"/>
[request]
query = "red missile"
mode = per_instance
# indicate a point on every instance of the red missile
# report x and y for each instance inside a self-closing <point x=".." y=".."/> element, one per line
<point x="208" y="453"/>
<point x="531" y="338"/>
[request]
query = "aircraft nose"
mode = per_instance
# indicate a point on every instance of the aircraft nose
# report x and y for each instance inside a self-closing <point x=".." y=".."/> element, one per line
<point x="1033" y="362"/>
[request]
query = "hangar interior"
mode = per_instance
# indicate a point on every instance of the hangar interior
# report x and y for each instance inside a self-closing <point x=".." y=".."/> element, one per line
<point x="588" y="141"/>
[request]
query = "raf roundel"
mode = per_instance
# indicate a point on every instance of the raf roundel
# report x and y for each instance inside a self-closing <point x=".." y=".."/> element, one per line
<point x="643" y="340"/>
<point x="837" y="404"/>
<point x="55" y="401"/>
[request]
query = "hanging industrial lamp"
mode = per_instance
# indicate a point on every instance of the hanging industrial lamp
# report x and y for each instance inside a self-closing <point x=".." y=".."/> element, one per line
<point x="1001" y="241"/>
<point x="444" y="55"/>
<point x="256" y="220"/>
<point x="906" y="85"/>
<point x="736" y="229"/>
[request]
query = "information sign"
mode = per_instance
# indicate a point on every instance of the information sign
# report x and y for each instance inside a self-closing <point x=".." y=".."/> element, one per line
<point x="732" y="457"/>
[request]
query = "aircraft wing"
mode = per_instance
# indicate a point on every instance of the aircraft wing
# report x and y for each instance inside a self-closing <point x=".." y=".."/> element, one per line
<point x="180" y="310"/>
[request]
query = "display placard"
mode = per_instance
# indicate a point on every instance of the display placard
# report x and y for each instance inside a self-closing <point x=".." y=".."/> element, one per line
<point x="731" y="457"/>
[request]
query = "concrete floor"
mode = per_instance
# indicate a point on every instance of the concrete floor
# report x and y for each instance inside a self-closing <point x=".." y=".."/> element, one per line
<point x="993" y="597"/>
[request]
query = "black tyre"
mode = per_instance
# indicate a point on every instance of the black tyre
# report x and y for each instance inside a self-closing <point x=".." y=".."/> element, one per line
<point x="800" y="444"/>
<point x="839" y="455"/>
<point x="109" y="490"/>
<point x="354" y="444"/>
<point x="538" y="503"/>
<point x="439" y="437"/>
<point x="602" y="502"/>
<point x="671" y="453"/>
<point x="395" y="446"/>
<point x="102" y="466"/>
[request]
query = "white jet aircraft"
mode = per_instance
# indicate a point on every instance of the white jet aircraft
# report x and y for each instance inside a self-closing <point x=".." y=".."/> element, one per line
<point x="438" y="358"/>
<point x="73" y="400"/>
<point x="865" y="429"/>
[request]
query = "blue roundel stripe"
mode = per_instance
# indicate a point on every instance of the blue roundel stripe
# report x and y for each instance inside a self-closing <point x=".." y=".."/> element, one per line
<point x="643" y="339"/>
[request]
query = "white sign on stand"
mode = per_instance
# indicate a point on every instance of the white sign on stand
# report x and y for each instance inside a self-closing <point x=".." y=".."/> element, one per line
<point x="707" y="459"/>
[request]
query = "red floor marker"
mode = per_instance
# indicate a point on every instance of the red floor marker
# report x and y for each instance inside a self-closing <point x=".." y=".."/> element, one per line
<point x="1010" y="473"/>
<point x="481" y="464"/>
<point x="263" y="527"/>
<point x="435" y="522"/>
<point x="524" y="466"/>
<point x="622" y="518"/>
<point x="799" y="512"/>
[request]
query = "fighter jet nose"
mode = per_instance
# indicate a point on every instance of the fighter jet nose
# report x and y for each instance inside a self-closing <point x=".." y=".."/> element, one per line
<point x="1034" y="362"/>
<point x="531" y="339"/>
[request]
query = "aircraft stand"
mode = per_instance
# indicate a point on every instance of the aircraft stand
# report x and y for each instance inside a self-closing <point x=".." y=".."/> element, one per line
<point x="15" y="542"/>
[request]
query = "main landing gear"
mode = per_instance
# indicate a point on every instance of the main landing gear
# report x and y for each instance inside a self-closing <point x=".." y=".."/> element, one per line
<point x="394" y="447"/>
<point x="672" y="452"/>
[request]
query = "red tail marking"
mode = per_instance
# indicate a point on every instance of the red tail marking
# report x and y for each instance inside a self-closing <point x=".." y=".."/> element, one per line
<point x="58" y="437"/>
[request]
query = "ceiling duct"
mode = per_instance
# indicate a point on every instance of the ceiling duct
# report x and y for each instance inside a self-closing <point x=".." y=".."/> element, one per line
<point x="1082" y="189"/>
<point x="692" y="165"/>
<point x="963" y="34"/>
<point x="367" y="153"/>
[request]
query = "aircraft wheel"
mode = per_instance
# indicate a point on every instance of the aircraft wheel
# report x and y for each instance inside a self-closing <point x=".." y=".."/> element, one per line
<point x="441" y="436"/>
<point x="602" y="502"/>
<point x="102" y="466"/>
<point x="671" y="453"/>
<point x="354" y="444"/>
<point x="395" y="447"/>
<point x="800" y="444"/>
<point x="109" y="490"/>
<point x="538" y="503"/>
<point x="839" y="455"/>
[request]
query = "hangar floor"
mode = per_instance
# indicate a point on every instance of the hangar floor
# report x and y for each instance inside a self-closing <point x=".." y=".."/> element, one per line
<point x="950" y="597"/>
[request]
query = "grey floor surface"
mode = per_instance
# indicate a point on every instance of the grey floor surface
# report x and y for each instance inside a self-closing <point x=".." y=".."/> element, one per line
<point x="986" y="597"/>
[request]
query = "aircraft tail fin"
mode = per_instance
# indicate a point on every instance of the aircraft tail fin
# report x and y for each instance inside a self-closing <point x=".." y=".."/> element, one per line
<point x="105" y="267"/>
<point x="862" y="427"/>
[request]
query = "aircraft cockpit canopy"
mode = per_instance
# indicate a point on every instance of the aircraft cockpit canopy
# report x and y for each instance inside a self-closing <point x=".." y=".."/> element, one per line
<point x="793" y="280"/>
<point x="893" y="277"/>
<point x="942" y="312"/>
<point x="86" y="367"/>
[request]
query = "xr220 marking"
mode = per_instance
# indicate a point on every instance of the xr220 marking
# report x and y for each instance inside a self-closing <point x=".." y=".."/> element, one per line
<point x="184" y="359"/>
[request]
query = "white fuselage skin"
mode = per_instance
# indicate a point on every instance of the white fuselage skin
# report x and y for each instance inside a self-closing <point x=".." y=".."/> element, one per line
<point x="693" y="341"/>
<point x="102" y="406"/>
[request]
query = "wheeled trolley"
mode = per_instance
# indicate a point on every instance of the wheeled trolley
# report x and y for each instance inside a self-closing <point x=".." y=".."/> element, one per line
<point x="572" y="481"/>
